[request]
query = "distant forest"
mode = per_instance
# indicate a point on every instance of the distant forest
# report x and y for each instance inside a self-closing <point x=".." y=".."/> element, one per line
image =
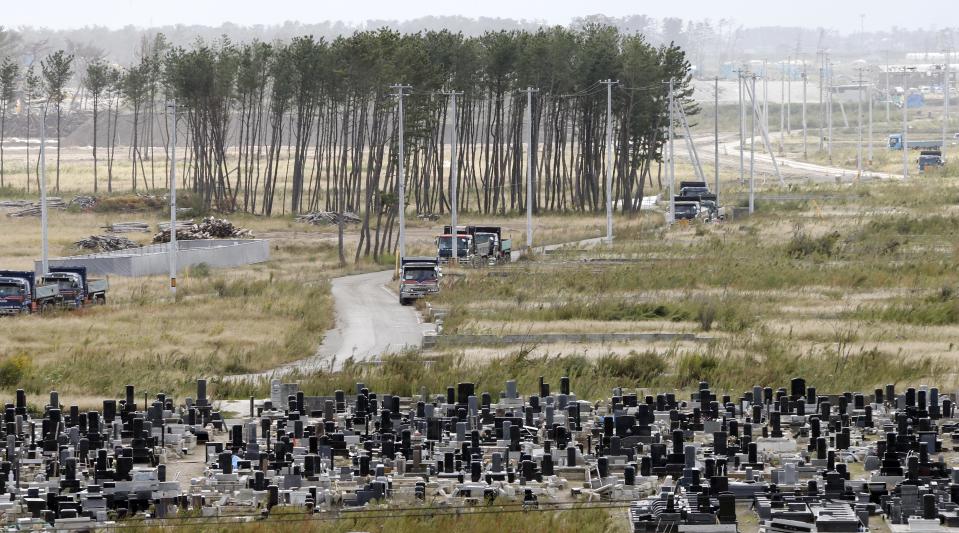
<point x="708" y="42"/>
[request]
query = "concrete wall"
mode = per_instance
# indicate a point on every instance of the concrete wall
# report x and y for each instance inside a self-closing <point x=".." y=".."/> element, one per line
<point x="155" y="259"/>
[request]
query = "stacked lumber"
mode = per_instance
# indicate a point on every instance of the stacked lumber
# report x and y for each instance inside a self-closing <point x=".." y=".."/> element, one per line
<point x="209" y="228"/>
<point x="14" y="203"/>
<point x="105" y="243"/>
<point x="318" y="218"/>
<point x="127" y="227"/>
<point x="33" y="210"/>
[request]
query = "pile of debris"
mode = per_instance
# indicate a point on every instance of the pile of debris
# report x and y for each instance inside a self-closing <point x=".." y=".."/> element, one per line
<point x="209" y="228"/>
<point x="318" y="218"/>
<point x="127" y="227"/>
<point x="105" y="243"/>
<point x="33" y="209"/>
<point x="84" y="203"/>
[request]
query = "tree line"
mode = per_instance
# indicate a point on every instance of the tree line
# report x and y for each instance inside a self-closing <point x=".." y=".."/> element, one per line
<point x="311" y="124"/>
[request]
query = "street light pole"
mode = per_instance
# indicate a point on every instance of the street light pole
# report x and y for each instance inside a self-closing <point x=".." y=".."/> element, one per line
<point x="171" y="107"/>
<point x="454" y="179"/>
<point x="609" y="158"/>
<point x="44" y="247"/>
<point x="401" y="174"/>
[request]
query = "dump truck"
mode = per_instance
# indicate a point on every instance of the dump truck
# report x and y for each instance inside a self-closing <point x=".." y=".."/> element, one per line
<point x="686" y="208"/>
<point x="895" y="143"/>
<point x="419" y="277"/>
<point x="464" y="247"/>
<point x="488" y="242"/>
<point x="930" y="158"/>
<point x="20" y="294"/>
<point x="76" y="288"/>
<point x="696" y="189"/>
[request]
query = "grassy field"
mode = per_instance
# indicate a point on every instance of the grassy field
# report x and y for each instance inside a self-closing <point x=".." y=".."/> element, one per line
<point x="224" y="321"/>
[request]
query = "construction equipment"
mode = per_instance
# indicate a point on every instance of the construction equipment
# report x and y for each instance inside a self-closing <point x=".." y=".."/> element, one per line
<point x="20" y="294"/>
<point x="419" y="277"/>
<point x="76" y="289"/>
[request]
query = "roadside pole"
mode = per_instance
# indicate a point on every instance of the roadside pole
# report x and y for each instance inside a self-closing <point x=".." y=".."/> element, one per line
<point x="752" y="147"/>
<point x="454" y="179"/>
<point x="45" y="246"/>
<point x="609" y="158"/>
<point x="672" y="154"/>
<point x="716" y="138"/>
<point x="905" y="125"/>
<point x="401" y="174"/>
<point x="529" y="167"/>
<point x="171" y="107"/>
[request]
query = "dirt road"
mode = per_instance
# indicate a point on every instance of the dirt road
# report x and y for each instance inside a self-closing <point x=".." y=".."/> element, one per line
<point x="370" y="322"/>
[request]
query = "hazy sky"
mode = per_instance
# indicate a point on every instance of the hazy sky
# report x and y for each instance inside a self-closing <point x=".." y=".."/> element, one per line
<point x="833" y="14"/>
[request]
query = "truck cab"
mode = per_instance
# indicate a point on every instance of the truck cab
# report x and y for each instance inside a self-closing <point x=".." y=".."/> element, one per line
<point x="419" y="277"/>
<point x="15" y="296"/>
<point x="930" y="158"/>
<point x="21" y="294"/>
<point x="686" y="210"/>
<point x="444" y="247"/>
<point x="70" y="285"/>
<point x="76" y="288"/>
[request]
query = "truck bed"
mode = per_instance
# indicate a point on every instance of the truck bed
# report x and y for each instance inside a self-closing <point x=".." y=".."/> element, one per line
<point x="96" y="286"/>
<point x="45" y="292"/>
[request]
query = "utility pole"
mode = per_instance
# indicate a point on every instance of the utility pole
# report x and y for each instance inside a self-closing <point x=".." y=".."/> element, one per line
<point x="829" y="107"/>
<point x="44" y="245"/>
<point x="870" y="94"/>
<point x="454" y="179"/>
<point x="171" y="108"/>
<point x="782" y="110"/>
<point x="530" y="176"/>
<point x="905" y="125"/>
<point x="765" y="96"/>
<point x="752" y="147"/>
<point x="822" y="83"/>
<point x="672" y="153"/>
<point x="888" y="94"/>
<point x="716" y="138"/>
<point x="401" y="173"/>
<point x="609" y="158"/>
<point x="945" y="98"/>
<point x="789" y="95"/>
<point x="805" y="138"/>
<point x="742" y="132"/>
<point x="859" y="164"/>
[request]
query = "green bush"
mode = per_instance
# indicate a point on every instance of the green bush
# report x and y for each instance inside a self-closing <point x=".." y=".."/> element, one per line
<point x="13" y="369"/>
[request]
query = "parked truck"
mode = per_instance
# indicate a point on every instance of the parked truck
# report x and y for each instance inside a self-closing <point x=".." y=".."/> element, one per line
<point x="695" y="200"/>
<point x="895" y="143"/>
<point x="76" y="288"/>
<point x="419" y="277"/>
<point x="20" y="294"/>
<point x="464" y="247"/>
<point x="488" y="242"/>
<point x="930" y="158"/>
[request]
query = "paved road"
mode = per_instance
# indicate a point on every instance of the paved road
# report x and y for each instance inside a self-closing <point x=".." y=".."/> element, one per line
<point x="790" y="168"/>
<point x="370" y="322"/>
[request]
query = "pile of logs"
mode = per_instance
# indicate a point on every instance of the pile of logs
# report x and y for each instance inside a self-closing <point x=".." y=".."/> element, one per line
<point x="84" y="203"/>
<point x="209" y="228"/>
<point x="14" y="203"/>
<point x="105" y="243"/>
<point x="127" y="227"/>
<point x="33" y="210"/>
<point x="318" y="218"/>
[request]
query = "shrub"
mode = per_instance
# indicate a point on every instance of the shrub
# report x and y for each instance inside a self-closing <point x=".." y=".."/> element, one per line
<point x="801" y="245"/>
<point x="13" y="369"/>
